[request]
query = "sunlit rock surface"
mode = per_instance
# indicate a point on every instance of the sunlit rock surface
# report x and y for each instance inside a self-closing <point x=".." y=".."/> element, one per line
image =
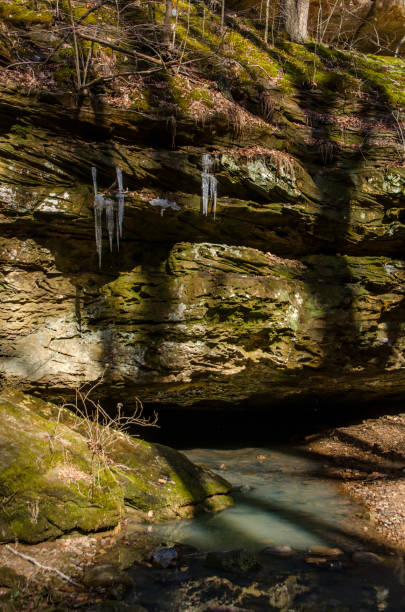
<point x="296" y="287"/>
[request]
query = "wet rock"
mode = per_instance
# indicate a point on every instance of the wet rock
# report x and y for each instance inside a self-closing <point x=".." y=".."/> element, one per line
<point x="367" y="558"/>
<point x="282" y="595"/>
<point x="325" y="551"/>
<point x="316" y="560"/>
<point x="170" y="576"/>
<point x="165" y="557"/>
<point x="325" y="563"/>
<point x="185" y="551"/>
<point x="106" y="576"/>
<point x="233" y="561"/>
<point x="335" y="565"/>
<point x="243" y="488"/>
<point x="279" y="551"/>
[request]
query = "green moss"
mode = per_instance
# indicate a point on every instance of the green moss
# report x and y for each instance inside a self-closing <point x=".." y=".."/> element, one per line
<point x="51" y="483"/>
<point x="389" y="87"/>
<point x="183" y="95"/>
<point x="66" y="53"/>
<point x="141" y="102"/>
<point x="160" y="479"/>
<point x="18" y="14"/>
<point x="334" y="56"/>
<point x="64" y="76"/>
<point x="251" y="56"/>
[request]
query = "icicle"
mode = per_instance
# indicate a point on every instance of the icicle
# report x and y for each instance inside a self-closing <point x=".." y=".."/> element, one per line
<point x="119" y="179"/>
<point x="109" y="215"/>
<point x="209" y="185"/>
<point x="98" y="213"/>
<point x="121" y="202"/>
<point x="114" y="212"/>
<point x="164" y="204"/>
<point x="213" y="193"/>
<point x="205" y="178"/>
<point x="94" y="175"/>
<point x="207" y="162"/>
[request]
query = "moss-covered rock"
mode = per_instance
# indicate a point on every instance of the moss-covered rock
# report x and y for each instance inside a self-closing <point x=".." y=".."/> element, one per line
<point x="52" y="481"/>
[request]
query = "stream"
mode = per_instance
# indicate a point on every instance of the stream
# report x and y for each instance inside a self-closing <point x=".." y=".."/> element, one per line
<point x="282" y="499"/>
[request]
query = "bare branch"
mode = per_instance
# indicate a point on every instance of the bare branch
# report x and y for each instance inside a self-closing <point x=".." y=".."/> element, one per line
<point x="119" y="75"/>
<point x="131" y="53"/>
<point x="43" y="567"/>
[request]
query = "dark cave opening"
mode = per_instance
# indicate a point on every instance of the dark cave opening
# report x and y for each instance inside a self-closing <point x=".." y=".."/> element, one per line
<point x="261" y="425"/>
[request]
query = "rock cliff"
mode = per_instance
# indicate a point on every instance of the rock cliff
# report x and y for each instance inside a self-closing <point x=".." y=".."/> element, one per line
<point x="296" y="287"/>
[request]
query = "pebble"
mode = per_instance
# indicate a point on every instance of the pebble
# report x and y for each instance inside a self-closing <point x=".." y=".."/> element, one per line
<point x="367" y="558"/>
<point x="164" y="557"/>
<point x="325" y="563"/>
<point x="245" y="488"/>
<point x="279" y="551"/>
<point x="324" y="551"/>
<point x="316" y="560"/>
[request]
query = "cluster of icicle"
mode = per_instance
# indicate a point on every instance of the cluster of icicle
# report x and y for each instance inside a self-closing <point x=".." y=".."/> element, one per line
<point x="112" y="209"/>
<point x="209" y="185"/>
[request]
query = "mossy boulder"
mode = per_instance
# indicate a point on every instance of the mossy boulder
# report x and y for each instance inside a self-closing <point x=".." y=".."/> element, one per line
<point x="158" y="477"/>
<point x="51" y="482"/>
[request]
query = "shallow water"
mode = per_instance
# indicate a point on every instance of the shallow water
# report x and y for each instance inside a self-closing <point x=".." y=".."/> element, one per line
<point x="283" y="501"/>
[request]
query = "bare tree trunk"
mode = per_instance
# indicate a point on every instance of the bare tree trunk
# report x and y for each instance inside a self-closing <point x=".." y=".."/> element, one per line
<point x="175" y="24"/>
<point x="222" y="13"/>
<point x="266" y="25"/>
<point x="151" y="12"/>
<point x="167" y="27"/>
<point x="293" y="19"/>
<point x="75" y="46"/>
<point x="370" y="15"/>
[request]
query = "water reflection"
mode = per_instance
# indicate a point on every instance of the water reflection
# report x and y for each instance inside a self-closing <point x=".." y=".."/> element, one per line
<point x="282" y="501"/>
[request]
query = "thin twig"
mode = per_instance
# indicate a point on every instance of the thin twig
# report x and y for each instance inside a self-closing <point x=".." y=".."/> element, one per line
<point x="120" y="74"/>
<point x="186" y="38"/>
<point x="78" y="22"/>
<point x="131" y="53"/>
<point x="43" y="567"/>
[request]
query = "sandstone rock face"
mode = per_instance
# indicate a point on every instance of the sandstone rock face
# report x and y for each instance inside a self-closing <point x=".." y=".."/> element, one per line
<point x="297" y="286"/>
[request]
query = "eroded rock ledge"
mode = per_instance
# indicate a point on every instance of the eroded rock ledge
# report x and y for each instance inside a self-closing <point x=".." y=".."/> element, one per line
<point x="296" y="288"/>
<point x="198" y="322"/>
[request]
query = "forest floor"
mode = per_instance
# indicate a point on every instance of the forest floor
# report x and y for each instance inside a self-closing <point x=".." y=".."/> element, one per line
<point x="368" y="461"/>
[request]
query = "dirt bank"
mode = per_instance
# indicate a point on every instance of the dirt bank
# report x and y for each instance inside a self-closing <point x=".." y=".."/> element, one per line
<point x="368" y="461"/>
